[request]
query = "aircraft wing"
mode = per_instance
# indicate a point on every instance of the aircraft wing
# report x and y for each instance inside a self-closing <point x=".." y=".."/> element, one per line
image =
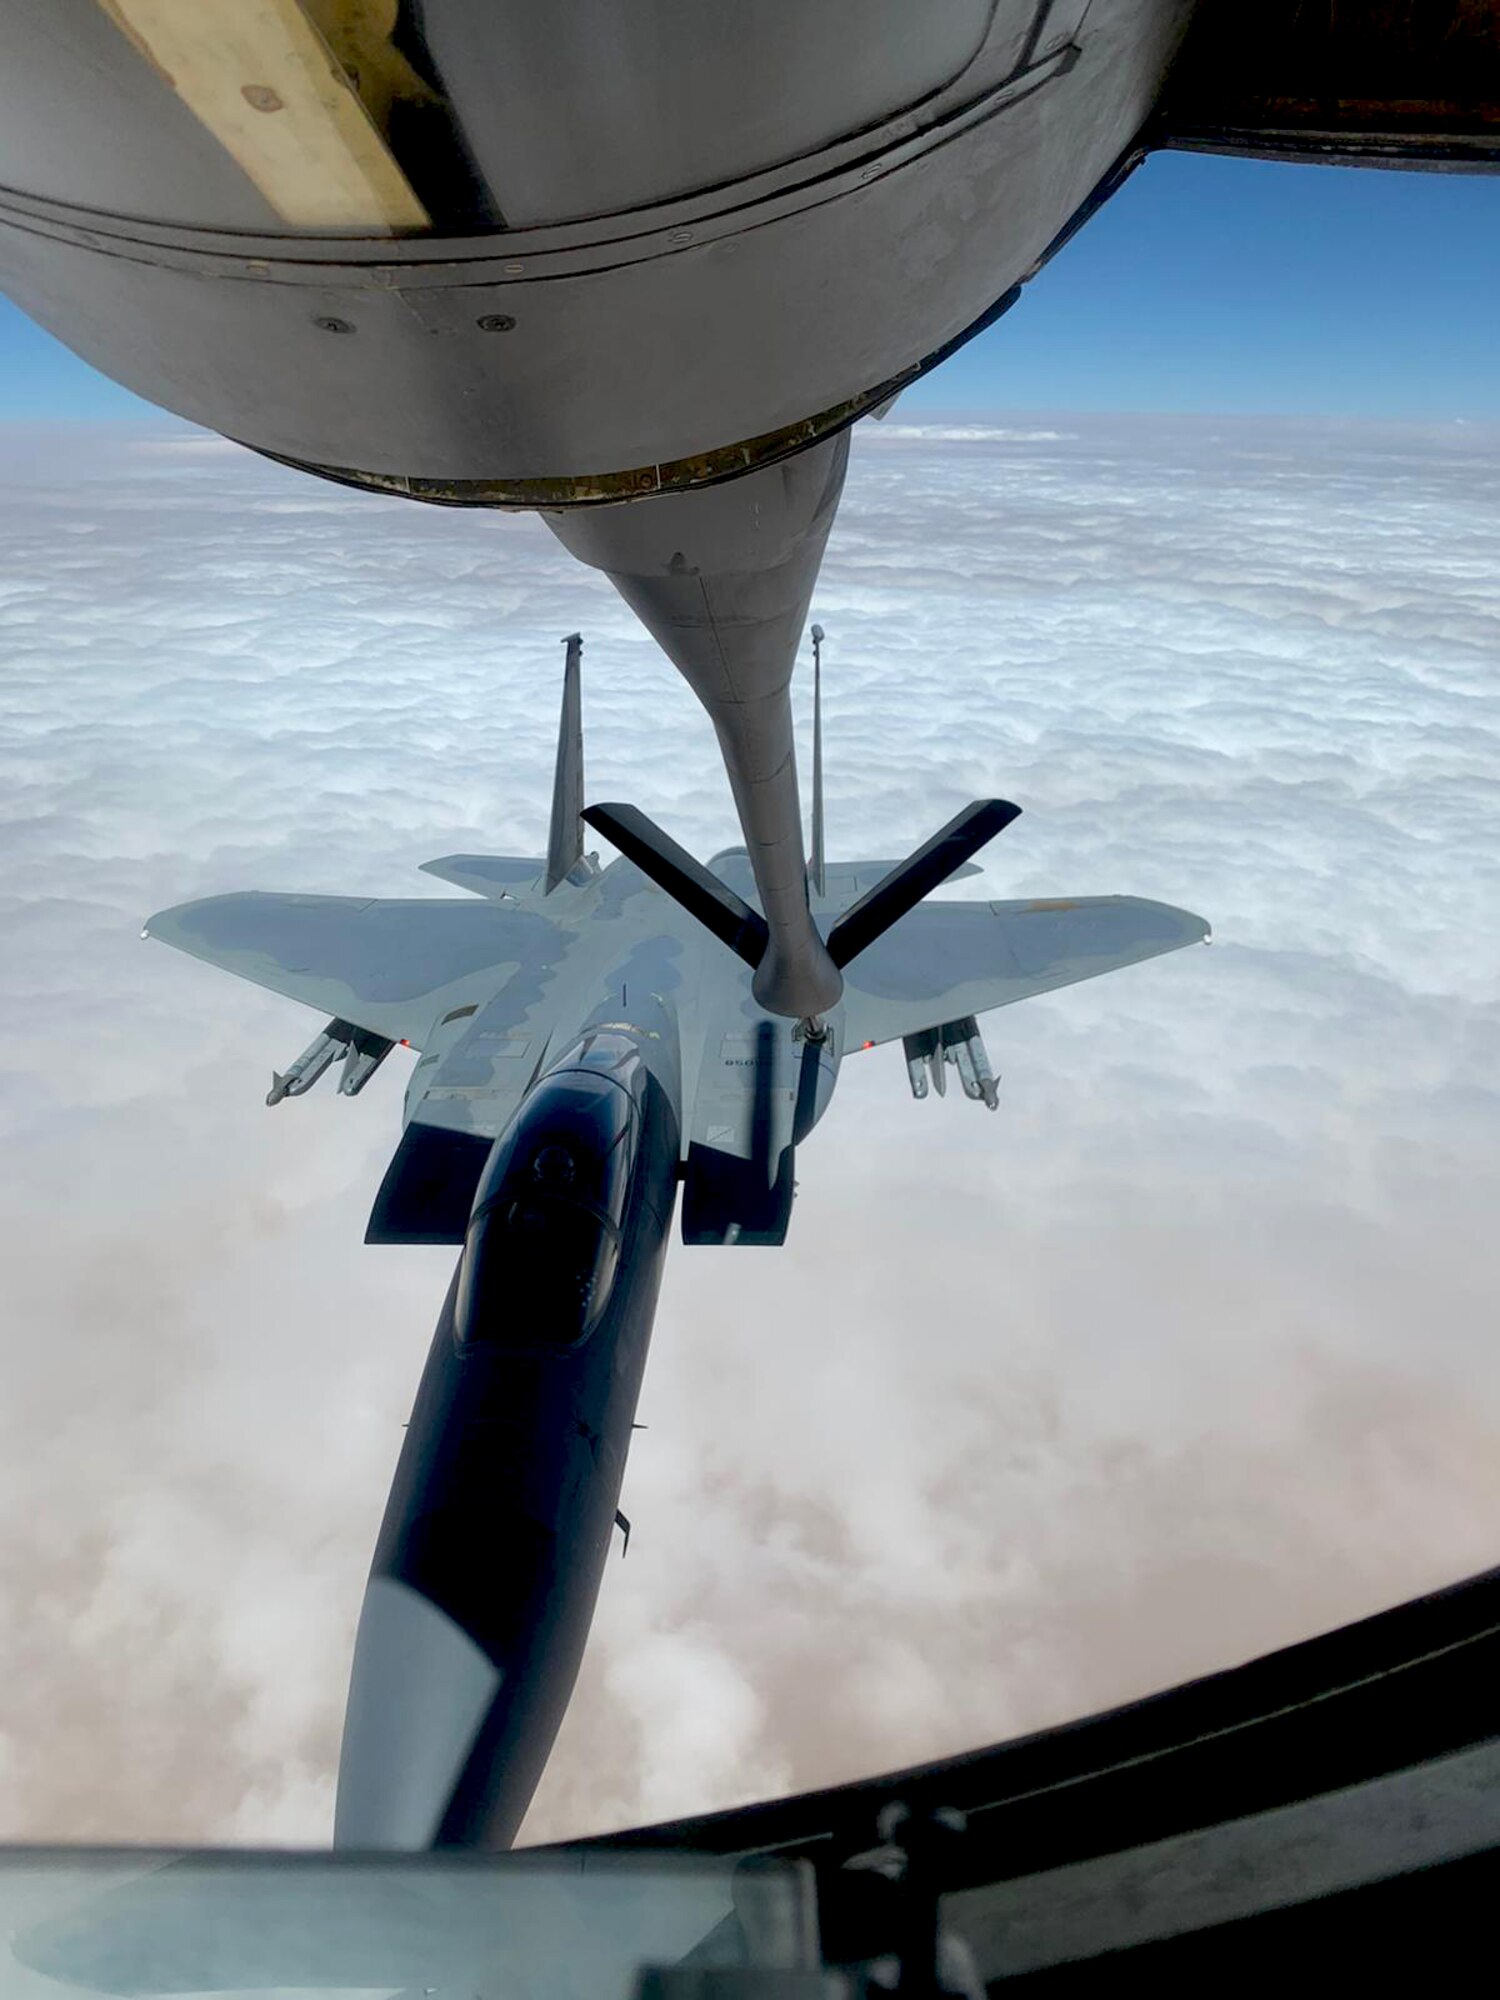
<point x="394" y="966"/>
<point x="945" y="960"/>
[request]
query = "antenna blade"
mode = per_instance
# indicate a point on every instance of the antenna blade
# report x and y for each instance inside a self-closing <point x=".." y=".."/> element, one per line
<point x="933" y="862"/>
<point x="565" y="839"/>
<point x="817" y="865"/>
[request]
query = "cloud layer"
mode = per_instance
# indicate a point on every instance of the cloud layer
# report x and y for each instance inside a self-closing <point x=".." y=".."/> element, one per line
<point x="1183" y="1355"/>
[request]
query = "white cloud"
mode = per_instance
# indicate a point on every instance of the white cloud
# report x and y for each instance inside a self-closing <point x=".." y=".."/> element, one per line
<point x="974" y="434"/>
<point x="1186" y="1353"/>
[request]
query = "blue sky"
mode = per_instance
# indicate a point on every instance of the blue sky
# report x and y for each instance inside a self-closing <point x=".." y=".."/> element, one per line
<point x="1212" y="285"/>
<point x="1246" y="285"/>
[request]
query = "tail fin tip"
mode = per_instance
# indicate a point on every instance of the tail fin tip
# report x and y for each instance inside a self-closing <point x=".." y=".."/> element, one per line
<point x="565" y="837"/>
<point x="817" y="866"/>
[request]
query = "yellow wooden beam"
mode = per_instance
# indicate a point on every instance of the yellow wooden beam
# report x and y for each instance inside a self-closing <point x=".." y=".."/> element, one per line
<point x="261" y="78"/>
<point x="361" y="39"/>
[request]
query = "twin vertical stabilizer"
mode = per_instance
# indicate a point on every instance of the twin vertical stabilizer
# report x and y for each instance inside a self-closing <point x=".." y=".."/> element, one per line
<point x="817" y="870"/>
<point x="565" y="838"/>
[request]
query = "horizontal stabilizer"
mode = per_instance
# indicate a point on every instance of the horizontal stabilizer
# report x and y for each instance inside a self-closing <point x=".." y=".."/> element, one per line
<point x="933" y="863"/>
<point x="844" y="882"/>
<point x="685" y="879"/>
<point x="840" y="873"/>
<point x="494" y="875"/>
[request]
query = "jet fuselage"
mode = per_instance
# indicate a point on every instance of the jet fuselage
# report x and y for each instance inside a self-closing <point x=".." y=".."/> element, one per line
<point x="495" y="1536"/>
<point x="588" y="1041"/>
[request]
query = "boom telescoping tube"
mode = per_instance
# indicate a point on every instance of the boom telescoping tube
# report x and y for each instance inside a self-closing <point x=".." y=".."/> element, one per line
<point x="499" y="1521"/>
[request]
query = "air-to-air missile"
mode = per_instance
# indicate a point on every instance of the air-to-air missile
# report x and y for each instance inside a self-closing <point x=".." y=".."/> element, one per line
<point x="360" y="1053"/>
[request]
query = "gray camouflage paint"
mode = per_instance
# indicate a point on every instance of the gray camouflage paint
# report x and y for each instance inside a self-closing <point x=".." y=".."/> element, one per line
<point x="537" y="969"/>
<point x="492" y="1550"/>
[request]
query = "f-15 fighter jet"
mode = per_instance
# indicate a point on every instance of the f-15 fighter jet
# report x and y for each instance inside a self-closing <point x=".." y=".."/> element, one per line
<point x="587" y="1043"/>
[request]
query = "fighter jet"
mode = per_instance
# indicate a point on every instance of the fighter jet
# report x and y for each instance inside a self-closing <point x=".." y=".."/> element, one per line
<point x="588" y="1044"/>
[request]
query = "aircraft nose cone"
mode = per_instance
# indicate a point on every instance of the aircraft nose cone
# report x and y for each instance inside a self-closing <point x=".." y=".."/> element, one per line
<point x="418" y="1696"/>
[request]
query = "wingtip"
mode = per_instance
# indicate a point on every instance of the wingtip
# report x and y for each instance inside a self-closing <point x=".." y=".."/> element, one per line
<point x="1192" y="928"/>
